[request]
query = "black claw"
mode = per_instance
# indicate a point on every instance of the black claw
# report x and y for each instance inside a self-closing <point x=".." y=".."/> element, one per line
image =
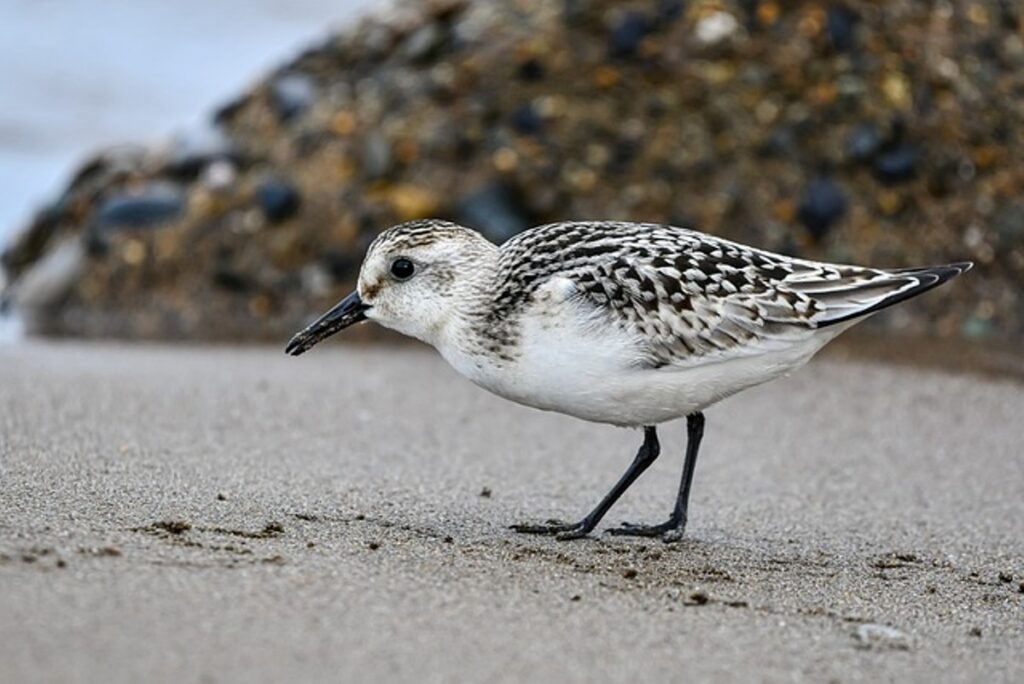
<point x="631" y="530"/>
<point x="670" y="531"/>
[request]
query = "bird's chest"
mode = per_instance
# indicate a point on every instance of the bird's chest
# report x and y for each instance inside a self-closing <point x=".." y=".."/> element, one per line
<point x="555" y="357"/>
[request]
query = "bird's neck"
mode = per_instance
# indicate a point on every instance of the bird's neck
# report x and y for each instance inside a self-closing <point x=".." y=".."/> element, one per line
<point x="465" y="339"/>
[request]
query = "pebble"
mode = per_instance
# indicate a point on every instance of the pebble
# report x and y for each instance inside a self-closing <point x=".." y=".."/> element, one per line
<point x="411" y="202"/>
<point x="841" y="24"/>
<point x="625" y="38"/>
<point x="377" y="156"/>
<point x="423" y="43"/>
<point x="291" y="95"/>
<point x="278" y="200"/>
<point x="864" y="142"/>
<point x="897" y="165"/>
<point x="1008" y="224"/>
<point x="716" y="27"/>
<point x="156" y="204"/>
<point x="48" y="280"/>
<point x="193" y="149"/>
<point x="527" y="121"/>
<point x="495" y="212"/>
<point x="219" y="176"/>
<point x="531" y="70"/>
<point x="823" y="203"/>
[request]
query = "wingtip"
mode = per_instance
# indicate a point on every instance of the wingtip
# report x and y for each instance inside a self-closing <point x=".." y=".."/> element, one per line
<point x="952" y="270"/>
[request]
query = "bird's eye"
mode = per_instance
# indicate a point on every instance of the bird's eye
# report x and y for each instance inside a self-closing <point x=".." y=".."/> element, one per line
<point x="402" y="268"/>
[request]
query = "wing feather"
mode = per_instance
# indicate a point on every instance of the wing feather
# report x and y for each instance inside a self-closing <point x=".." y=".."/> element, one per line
<point x="691" y="298"/>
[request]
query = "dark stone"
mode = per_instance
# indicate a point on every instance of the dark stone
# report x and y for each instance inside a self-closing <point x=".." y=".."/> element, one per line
<point x="227" y="111"/>
<point x="156" y="204"/>
<point x="193" y="149"/>
<point x="228" y="278"/>
<point x="531" y="70"/>
<point x="897" y="164"/>
<point x="527" y="121"/>
<point x="627" y="35"/>
<point x="291" y="95"/>
<point x="841" y="24"/>
<point x="279" y="200"/>
<point x="823" y="203"/>
<point x="27" y="245"/>
<point x="424" y="43"/>
<point x="342" y="265"/>
<point x="1008" y="224"/>
<point x="495" y="211"/>
<point x="670" y="10"/>
<point x="623" y="154"/>
<point x="781" y="142"/>
<point x="109" y="167"/>
<point x="864" y="142"/>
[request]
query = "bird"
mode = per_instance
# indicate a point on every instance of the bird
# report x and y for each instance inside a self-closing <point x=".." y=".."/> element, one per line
<point x="627" y="324"/>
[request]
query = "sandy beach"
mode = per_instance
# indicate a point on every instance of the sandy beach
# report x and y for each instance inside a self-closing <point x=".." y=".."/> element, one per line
<point x="186" y="514"/>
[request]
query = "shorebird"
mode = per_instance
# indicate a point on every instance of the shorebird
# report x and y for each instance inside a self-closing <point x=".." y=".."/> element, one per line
<point x="630" y="324"/>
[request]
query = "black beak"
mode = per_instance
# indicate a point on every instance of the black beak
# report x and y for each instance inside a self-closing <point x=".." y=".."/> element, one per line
<point x="349" y="310"/>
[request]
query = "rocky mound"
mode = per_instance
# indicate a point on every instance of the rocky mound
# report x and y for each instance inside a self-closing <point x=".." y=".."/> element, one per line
<point x="881" y="133"/>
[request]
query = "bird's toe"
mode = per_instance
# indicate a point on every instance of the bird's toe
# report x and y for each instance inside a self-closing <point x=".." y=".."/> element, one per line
<point x="635" y="530"/>
<point x="673" y="535"/>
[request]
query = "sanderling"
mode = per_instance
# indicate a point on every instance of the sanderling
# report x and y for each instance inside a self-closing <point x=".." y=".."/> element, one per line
<point x="631" y="324"/>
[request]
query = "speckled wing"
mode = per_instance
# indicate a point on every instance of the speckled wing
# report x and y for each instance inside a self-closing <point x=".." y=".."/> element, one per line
<point x="691" y="298"/>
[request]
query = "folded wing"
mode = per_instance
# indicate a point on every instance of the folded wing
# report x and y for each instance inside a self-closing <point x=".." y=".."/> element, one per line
<point x="704" y="298"/>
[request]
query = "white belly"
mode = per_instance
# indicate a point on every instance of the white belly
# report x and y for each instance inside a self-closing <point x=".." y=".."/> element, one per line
<point x="592" y="372"/>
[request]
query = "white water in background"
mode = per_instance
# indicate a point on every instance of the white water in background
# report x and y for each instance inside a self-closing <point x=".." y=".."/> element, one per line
<point x="76" y="75"/>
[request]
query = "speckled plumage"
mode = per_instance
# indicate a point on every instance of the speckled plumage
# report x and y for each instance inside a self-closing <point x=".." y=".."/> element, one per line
<point x="693" y="297"/>
<point x="631" y="324"/>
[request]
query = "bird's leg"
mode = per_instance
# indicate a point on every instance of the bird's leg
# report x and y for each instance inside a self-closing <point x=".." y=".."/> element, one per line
<point x="672" y="529"/>
<point x="648" y="452"/>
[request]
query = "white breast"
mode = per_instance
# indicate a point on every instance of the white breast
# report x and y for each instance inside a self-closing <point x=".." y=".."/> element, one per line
<point x="572" y="363"/>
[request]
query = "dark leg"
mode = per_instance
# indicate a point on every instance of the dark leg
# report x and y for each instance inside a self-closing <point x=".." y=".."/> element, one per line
<point x="672" y="529"/>
<point x="649" y="451"/>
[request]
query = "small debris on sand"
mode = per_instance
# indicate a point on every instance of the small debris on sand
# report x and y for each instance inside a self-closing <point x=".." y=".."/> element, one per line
<point x="173" y="526"/>
<point x="273" y="529"/>
<point x="873" y="636"/>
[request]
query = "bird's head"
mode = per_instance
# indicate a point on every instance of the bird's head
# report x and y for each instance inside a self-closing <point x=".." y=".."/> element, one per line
<point x="416" y="278"/>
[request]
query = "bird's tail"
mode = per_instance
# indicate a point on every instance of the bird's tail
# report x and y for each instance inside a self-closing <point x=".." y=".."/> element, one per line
<point x="874" y="290"/>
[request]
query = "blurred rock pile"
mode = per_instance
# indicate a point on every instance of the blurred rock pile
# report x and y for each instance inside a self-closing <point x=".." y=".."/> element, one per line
<point x="886" y="133"/>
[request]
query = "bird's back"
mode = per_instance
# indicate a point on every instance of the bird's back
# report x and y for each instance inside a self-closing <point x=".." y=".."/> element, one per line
<point x="693" y="297"/>
<point x="588" y="318"/>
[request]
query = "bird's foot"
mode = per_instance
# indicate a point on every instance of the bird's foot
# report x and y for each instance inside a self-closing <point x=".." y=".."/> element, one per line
<point x="670" y="531"/>
<point x="562" y="531"/>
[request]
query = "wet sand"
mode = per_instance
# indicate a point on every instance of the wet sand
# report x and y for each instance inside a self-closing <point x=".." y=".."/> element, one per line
<point x="220" y="515"/>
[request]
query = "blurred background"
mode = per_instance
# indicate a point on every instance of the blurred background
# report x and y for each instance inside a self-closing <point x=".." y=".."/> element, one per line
<point x="215" y="170"/>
